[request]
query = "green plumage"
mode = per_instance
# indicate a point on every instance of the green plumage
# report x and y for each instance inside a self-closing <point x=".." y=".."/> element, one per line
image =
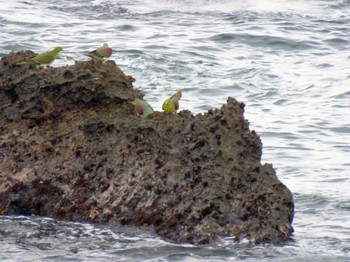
<point x="101" y="53"/>
<point x="47" y="58"/>
<point x="176" y="97"/>
<point x="172" y="104"/>
<point x="142" y="108"/>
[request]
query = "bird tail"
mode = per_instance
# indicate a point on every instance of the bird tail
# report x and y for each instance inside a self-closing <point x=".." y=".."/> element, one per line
<point x="93" y="56"/>
<point x="176" y="97"/>
<point x="21" y="63"/>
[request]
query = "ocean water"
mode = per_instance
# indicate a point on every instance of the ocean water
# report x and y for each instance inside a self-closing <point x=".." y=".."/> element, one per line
<point x="288" y="61"/>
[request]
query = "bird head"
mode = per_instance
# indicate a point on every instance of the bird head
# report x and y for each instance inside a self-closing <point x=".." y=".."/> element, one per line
<point x="59" y="49"/>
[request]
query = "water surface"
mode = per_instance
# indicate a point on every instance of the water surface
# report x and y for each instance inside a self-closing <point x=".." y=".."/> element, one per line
<point x="288" y="61"/>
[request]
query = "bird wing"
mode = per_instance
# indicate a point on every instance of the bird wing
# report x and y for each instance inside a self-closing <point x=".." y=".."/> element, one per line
<point x="44" y="58"/>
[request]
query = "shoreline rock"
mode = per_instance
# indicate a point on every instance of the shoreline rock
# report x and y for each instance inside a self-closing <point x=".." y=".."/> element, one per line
<point x="72" y="147"/>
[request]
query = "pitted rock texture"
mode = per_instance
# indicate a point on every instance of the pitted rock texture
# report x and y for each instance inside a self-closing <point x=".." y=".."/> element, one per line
<point x="72" y="147"/>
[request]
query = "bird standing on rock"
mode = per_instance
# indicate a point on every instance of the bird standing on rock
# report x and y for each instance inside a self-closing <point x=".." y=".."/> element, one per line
<point x="142" y="108"/>
<point x="172" y="104"/>
<point x="101" y="53"/>
<point x="46" y="58"/>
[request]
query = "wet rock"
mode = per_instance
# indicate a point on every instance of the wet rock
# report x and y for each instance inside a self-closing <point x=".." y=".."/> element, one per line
<point x="72" y="147"/>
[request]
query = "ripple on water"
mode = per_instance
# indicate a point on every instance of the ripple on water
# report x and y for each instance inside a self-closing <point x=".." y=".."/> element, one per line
<point x="287" y="61"/>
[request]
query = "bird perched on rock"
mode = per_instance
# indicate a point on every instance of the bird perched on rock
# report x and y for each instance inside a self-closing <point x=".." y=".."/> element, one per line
<point x="46" y="58"/>
<point x="142" y="108"/>
<point x="101" y="53"/>
<point x="172" y="104"/>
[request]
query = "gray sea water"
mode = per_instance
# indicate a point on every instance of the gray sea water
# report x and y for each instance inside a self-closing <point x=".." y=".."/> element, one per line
<point x="288" y="61"/>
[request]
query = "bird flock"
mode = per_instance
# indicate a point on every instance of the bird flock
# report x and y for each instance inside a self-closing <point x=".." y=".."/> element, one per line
<point x="142" y="108"/>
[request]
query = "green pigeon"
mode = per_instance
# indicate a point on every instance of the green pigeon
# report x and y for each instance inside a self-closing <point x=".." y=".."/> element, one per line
<point x="101" y="53"/>
<point x="142" y="108"/>
<point x="44" y="59"/>
<point x="172" y="104"/>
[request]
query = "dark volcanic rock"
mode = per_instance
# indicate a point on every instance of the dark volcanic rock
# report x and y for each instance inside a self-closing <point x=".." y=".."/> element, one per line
<point x="71" y="147"/>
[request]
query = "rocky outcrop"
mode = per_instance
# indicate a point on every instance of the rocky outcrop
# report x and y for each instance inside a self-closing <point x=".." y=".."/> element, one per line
<point x="72" y="147"/>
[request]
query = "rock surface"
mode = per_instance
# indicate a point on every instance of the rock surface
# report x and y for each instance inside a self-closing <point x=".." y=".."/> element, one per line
<point x="72" y="147"/>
